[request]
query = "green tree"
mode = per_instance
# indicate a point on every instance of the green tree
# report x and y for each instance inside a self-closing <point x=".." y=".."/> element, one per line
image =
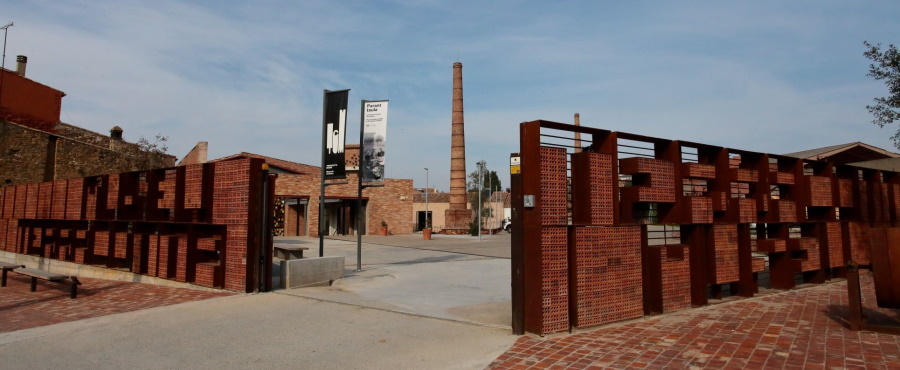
<point x="885" y="66"/>
<point x="490" y="183"/>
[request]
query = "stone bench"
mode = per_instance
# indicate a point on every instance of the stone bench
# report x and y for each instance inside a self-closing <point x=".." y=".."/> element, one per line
<point x="50" y="276"/>
<point x="311" y="271"/>
<point x="289" y="252"/>
<point x="6" y="267"/>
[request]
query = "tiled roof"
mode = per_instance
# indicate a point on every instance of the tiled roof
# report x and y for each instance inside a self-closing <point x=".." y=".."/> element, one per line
<point x="432" y="197"/>
<point x="275" y="162"/>
<point x="828" y="151"/>
<point x="502" y="197"/>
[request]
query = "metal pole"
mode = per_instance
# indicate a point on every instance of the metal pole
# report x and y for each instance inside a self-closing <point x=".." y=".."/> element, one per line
<point x="264" y="247"/>
<point x="480" y="191"/>
<point x="322" y="193"/>
<point x="359" y="187"/>
<point x="427" y="224"/>
<point x="491" y="202"/>
<point x="3" y="63"/>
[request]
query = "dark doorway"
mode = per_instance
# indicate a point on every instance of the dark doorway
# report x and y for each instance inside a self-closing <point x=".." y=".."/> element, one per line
<point x="421" y="221"/>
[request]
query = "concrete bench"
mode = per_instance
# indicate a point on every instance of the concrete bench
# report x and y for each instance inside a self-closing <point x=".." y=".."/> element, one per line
<point x="6" y="267"/>
<point x="50" y="276"/>
<point x="289" y="252"/>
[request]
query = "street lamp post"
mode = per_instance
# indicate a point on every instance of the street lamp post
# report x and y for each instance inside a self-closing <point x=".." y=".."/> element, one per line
<point x="480" y="191"/>
<point x="427" y="224"/>
<point x="490" y="204"/>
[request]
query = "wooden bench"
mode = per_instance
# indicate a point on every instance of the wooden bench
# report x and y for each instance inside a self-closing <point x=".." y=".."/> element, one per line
<point x="289" y="252"/>
<point x="6" y="268"/>
<point x="50" y="276"/>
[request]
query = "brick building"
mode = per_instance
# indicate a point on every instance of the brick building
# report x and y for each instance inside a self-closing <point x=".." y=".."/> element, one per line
<point x="439" y="202"/>
<point x="297" y="191"/>
<point x="35" y="146"/>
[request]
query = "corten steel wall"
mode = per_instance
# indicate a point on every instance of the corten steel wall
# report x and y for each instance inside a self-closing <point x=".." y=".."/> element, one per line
<point x="586" y="255"/>
<point x="197" y="224"/>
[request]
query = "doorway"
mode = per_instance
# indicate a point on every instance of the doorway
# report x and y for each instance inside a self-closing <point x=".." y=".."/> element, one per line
<point x="340" y="216"/>
<point x="291" y="215"/>
<point x="421" y="220"/>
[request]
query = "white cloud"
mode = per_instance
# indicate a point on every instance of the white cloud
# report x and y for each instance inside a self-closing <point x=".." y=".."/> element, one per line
<point x="762" y="76"/>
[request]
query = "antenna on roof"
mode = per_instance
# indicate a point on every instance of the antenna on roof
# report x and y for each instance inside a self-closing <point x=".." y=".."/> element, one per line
<point x="3" y="63"/>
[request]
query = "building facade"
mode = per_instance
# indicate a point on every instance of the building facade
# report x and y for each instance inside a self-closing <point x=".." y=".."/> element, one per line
<point x="297" y="192"/>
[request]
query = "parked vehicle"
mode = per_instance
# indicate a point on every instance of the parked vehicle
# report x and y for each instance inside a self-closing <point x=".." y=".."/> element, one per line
<point x="507" y="225"/>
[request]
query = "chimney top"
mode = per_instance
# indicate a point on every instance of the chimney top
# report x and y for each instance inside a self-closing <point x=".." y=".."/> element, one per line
<point x="457" y="64"/>
<point x="116" y="133"/>
<point x="20" y="67"/>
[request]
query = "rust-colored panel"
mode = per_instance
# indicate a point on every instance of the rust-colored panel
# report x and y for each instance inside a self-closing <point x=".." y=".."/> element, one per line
<point x="554" y="197"/>
<point x="725" y="245"/>
<point x="592" y="188"/>
<point x="820" y="191"/>
<point x="781" y="178"/>
<point x="834" y="240"/>
<point x="698" y="170"/>
<point x="698" y="210"/>
<point x="845" y="193"/>
<point x="743" y="175"/>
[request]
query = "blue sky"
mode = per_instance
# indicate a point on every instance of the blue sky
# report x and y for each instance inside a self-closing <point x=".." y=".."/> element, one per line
<point x="767" y="76"/>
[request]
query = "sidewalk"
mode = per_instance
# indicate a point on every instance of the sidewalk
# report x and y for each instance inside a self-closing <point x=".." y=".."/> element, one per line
<point x="414" y="278"/>
<point x="409" y="308"/>
<point x="50" y="304"/>
<point x="797" y="329"/>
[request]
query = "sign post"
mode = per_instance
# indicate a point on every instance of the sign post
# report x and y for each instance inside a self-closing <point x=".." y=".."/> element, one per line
<point x="517" y="257"/>
<point x="372" y="141"/>
<point x="334" y="134"/>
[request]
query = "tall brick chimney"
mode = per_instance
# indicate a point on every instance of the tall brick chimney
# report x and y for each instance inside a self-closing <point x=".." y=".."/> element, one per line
<point x="21" y="61"/>
<point x="457" y="217"/>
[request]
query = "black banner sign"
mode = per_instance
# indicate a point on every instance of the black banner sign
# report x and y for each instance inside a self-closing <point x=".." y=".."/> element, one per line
<point x="334" y="133"/>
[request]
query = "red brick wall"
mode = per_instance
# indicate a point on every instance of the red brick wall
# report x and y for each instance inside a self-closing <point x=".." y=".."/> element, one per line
<point x="184" y="231"/>
<point x="392" y="203"/>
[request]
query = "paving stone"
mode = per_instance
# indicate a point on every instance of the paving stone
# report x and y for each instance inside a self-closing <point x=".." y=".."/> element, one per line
<point x="797" y="329"/>
<point x="50" y="304"/>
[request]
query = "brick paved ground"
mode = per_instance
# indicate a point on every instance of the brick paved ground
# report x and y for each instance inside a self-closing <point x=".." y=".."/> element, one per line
<point x="50" y="304"/>
<point x="798" y="329"/>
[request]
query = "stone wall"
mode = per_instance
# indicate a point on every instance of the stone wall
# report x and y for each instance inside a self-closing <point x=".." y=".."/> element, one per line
<point x="24" y="154"/>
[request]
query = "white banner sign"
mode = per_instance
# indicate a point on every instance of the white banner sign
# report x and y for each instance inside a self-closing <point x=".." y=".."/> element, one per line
<point x="374" y="140"/>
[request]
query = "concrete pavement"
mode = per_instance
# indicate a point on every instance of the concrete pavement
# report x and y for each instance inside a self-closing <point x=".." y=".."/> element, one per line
<point x="415" y="307"/>
<point x="410" y="307"/>
<point x="273" y="331"/>
<point x="419" y="280"/>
